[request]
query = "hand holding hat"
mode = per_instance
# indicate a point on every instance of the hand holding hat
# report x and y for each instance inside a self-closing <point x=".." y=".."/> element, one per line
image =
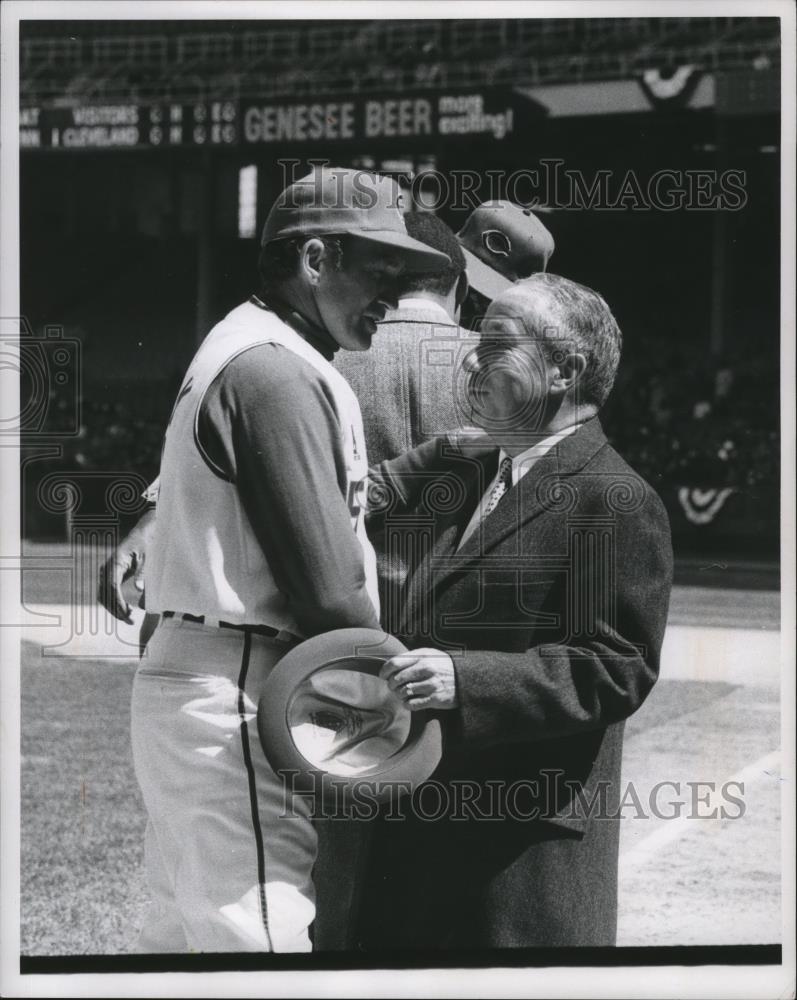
<point x="423" y="678"/>
<point x="329" y="718"/>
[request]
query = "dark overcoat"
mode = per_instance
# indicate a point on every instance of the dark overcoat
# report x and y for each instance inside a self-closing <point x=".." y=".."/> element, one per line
<point x="554" y="614"/>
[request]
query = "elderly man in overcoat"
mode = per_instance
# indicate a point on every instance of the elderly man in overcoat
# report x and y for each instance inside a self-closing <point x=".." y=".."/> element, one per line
<point x="535" y="614"/>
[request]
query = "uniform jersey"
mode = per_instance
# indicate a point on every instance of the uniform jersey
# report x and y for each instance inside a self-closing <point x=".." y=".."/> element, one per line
<point x="260" y="491"/>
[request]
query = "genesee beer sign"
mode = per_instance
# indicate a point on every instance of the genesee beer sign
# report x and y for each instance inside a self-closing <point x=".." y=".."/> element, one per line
<point x="403" y="117"/>
<point x="423" y="116"/>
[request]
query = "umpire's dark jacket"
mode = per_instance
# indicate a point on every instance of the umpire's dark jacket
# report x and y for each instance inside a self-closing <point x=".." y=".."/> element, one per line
<point x="554" y="613"/>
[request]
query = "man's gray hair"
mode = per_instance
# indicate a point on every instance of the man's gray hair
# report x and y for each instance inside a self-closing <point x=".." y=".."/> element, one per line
<point x="581" y="321"/>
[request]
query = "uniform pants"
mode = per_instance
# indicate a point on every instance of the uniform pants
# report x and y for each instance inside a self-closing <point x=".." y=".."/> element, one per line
<point x="229" y="851"/>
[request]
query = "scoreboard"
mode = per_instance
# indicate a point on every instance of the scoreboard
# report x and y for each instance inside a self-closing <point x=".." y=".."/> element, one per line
<point x="129" y="126"/>
<point x="490" y="113"/>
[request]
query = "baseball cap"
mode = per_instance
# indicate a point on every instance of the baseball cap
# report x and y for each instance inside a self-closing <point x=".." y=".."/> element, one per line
<point x="503" y="242"/>
<point x="332" y="201"/>
<point x="328" y="719"/>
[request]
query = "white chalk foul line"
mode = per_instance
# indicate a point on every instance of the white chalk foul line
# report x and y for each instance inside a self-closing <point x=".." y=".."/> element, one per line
<point x="674" y="829"/>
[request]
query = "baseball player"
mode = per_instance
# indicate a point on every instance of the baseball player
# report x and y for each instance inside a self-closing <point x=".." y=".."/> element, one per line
<point x="258" y="542"/>
<point x="499" y="241"/>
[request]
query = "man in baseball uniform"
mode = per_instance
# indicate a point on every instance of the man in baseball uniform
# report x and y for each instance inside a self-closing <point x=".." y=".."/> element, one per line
<point x="258" y="542"/>
<point x="499" y="241"/>
<point x="405" y="382"/>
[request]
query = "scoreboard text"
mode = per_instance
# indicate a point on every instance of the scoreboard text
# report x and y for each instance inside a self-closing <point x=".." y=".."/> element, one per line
<point x="125" y="126"/>
<point x="467" y="115"/>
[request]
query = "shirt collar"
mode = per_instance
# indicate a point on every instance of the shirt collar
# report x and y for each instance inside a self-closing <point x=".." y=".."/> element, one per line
<point x="315" y="336"/>
<point x="424" y="305"/>
<point x="522" y="463"/>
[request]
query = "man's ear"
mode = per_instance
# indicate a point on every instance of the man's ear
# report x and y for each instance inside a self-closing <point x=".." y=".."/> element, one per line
<point x="570" y="368"/>
<point x="310" y="257"/>
<point x="463" y="287"/>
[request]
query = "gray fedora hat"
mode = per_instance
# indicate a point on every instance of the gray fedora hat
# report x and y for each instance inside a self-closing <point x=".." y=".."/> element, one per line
<point x="328" y="720"/>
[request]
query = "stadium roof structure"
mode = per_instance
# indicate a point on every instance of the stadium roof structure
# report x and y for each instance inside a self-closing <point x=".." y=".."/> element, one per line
<point x="104" y="61"/>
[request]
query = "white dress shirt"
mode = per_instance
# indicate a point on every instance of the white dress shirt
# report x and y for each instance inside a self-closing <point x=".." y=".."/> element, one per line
<point x="521" y="465"/>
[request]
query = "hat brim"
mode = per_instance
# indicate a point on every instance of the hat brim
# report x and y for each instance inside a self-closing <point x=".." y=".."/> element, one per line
<point x="417" y="256"/>
<point x="484" y="279"/>
<point x="365" y="650"/>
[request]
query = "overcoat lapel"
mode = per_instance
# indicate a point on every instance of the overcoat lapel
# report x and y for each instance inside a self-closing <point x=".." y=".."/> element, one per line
<point x="474" y="474"/>
<point x="535" y="493"/>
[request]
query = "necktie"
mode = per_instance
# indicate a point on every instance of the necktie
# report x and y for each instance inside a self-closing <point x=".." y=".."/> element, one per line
<point x="502" y="484"/>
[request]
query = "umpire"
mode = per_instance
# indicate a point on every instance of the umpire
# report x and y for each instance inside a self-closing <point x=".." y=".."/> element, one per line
<point x="259" y="541"/>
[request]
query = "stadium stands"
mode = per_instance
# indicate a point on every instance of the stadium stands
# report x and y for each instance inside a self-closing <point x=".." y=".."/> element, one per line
<point x="84" y="252"/>
<point x="185" y="61"/>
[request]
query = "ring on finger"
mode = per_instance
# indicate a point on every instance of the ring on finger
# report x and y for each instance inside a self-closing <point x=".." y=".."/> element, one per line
<point x="408" y="690"/>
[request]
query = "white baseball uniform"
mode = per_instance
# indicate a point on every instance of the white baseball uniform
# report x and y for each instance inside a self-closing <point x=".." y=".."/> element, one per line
<point x="259" y="492"/>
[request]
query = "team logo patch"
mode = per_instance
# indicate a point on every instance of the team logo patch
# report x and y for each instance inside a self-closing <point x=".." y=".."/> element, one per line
<point x="496" y="242"/>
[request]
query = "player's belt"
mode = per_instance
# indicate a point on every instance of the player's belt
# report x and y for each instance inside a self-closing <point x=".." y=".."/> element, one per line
<point x="202" y="620"/>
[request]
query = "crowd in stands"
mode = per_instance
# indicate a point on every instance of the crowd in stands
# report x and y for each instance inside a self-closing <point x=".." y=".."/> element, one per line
<point x="681" y="421"/>
<point x="111" y="436"/>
